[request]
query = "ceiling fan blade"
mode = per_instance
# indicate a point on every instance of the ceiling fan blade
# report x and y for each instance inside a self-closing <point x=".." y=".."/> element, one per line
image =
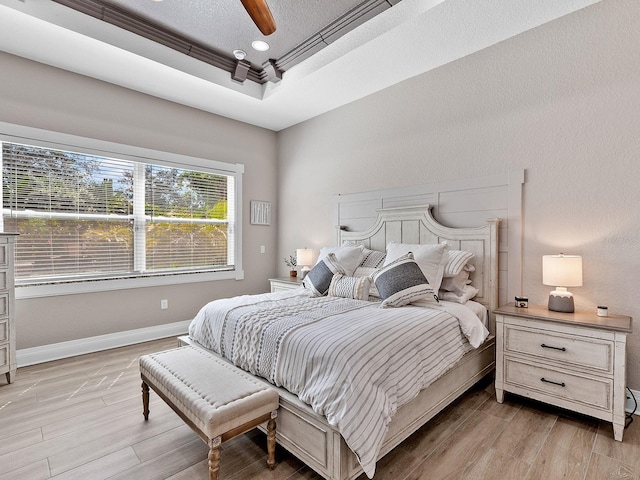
<point x="259" y="12"/>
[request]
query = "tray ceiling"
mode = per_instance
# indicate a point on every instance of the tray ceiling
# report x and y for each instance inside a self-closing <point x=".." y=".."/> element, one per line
<point x="212" y="31"/>
<point x="402" y="41"/>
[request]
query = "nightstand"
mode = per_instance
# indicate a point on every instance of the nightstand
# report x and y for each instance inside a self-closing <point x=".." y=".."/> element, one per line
<point x="576" y="361"/>
<point x="284" y="283"/>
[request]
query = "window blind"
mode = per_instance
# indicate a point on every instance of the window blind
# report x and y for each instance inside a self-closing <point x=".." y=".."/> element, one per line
<point x="85" y="216"/>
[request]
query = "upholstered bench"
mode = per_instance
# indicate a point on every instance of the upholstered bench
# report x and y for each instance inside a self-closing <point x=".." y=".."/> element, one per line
<point x="217" y="400"/>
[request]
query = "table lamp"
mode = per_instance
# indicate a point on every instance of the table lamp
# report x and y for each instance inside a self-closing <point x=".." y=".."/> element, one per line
<point x="304" y="258"/>
<point x="561" y="271"/>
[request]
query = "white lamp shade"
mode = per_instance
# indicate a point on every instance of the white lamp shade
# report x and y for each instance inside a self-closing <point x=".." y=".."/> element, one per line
<point x="562" y="270"/>
<point x="304" y="256"/>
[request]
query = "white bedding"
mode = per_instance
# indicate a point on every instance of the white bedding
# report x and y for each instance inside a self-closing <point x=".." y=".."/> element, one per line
<point x="349" y="360"/>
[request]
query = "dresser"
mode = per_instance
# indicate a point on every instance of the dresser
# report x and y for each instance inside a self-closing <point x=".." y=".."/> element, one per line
<point x="7" y="307"/>
<point x="284" y="283"/>
<point x="576" y="361"/>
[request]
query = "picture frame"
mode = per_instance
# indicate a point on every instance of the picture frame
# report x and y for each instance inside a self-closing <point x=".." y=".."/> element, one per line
<point x="260" y="212"/>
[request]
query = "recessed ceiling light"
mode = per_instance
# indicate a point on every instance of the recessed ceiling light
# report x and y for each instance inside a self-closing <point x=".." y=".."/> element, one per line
<point x="260" y="45"/>
<point x="239" y="54"/>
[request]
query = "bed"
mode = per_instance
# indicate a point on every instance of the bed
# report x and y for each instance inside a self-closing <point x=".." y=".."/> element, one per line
<point x="321" y="439"/>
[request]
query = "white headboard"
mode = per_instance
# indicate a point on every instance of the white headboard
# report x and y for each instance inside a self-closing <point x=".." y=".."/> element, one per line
<point x="416" y="225"/>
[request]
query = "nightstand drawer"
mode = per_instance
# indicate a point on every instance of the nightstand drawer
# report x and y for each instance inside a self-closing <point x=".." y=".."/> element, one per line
<point x="286" y="283"/>
<point x="591" y="353"/>
<point x="590" y="391"/>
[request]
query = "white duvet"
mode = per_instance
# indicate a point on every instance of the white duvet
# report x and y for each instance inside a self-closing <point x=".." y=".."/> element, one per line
<point x="349" y="360"/>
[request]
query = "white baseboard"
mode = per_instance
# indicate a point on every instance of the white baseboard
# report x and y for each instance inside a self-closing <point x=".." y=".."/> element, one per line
<point x="56" y="351"/>
<point x="631" y="404"/>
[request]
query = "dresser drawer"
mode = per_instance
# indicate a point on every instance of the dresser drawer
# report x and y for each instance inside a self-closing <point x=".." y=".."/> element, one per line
<point x="4" y="331"/>
<point x="4" y="355"/>
<point x="592" y="353"/>
<point x="4" y="255"/>
<point x="4" y="304"/>
<point x="590" y="391"/>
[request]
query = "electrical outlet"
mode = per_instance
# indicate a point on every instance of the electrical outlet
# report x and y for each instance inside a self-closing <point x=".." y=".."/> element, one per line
<point x="164" y="304"/>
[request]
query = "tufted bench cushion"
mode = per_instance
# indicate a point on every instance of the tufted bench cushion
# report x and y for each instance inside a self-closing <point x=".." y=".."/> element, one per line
<point x="218" y="400"/>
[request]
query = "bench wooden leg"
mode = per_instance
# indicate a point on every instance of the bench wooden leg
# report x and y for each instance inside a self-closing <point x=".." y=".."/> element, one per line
<point x="145" y="400"/>
<point x="271" y="442"/>
<point x="214" y="458"/>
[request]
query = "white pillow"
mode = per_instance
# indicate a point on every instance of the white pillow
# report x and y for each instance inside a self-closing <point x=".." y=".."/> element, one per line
<point x="431" y="259"/>
<point x="456" y="283"/>
<point x="467" y="294"/>
<point x="348" y="256"/>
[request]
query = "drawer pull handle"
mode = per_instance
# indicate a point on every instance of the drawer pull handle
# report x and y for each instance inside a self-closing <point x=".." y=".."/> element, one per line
<point x="551" y="381"/>
<point x="562" y="349"/>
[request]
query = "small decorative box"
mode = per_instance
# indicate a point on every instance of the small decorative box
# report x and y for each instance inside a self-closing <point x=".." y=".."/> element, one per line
<point x="522" y="302"/>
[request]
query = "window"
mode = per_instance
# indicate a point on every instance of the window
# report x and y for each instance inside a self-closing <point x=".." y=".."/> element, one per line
<point x="86" y="216"/>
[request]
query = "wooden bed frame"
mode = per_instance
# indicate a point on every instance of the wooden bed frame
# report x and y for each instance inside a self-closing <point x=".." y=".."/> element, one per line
<point x="319" y="445"/>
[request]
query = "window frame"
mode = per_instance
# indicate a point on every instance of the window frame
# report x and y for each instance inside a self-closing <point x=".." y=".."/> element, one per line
<point x="62" y="141"/>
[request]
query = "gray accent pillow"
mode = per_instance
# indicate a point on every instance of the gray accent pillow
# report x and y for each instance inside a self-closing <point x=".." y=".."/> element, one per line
<point x="430" y="258"/>
<point x="319" y="277"/>
<point x="402" y="282"/>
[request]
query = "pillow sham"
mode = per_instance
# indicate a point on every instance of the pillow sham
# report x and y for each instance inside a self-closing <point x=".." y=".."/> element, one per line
<point x="319" y="277"/>
<point x="349" y="287"/>
<point x="467" y="294"/>
<point x="457" y="261"/>
<point x="457" y="283"/>
<point x="431" y="259"/>
<point x="402" y="282"/>
<point x="370" y="258"/>
<point x="348" y="256"/>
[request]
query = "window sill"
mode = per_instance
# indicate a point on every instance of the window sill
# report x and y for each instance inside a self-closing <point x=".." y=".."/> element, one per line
<point x="72" y="288"/>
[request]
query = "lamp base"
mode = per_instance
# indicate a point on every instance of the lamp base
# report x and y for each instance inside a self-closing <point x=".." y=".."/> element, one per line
<point x="304" y="271"/>
<point x="561" y="303"/>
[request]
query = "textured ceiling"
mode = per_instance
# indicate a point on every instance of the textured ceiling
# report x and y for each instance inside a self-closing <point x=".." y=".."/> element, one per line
<point x="225" y="25"/>
<point x="406" y="40"/>
<point x="213" y="31"/>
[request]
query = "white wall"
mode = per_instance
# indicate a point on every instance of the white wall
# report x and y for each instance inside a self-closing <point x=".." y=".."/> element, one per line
<point x="39" y="96"/>
<point x="561" y="101"/>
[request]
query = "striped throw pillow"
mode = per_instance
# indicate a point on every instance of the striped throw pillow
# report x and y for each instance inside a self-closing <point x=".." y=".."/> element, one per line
<point x="349" y="287"/>
<point x="370" y="258"/>
<point x="456" y="262"/>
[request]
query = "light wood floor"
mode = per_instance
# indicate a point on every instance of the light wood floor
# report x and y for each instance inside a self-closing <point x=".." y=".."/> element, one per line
<point x="81" y="418"/>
